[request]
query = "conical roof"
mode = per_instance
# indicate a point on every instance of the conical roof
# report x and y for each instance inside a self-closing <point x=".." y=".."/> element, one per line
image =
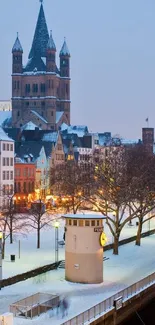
<point x="51" y="44"/>
<point x="41" y="36"/>
<point x="17" y="46"/>
<point x="64" y="50"/>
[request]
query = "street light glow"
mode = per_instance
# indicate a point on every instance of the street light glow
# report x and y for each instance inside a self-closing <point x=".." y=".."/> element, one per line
<point x="56" y="224"/>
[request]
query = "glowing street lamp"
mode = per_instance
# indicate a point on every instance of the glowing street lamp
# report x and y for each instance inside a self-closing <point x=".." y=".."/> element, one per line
<point x="56" y="226"/>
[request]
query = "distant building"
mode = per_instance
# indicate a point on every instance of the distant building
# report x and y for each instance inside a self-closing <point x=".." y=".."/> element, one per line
<point x="148" y="138"/>
<point x="6" y="168"/>
<point x="41" y="90"/>
<point x="5" y="105"/>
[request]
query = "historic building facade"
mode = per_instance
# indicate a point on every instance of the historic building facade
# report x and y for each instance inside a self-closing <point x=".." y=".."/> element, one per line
<point x="41" y="90"/>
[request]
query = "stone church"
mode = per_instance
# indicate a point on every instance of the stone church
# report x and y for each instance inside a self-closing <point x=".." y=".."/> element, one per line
<point x="41" y="90"/>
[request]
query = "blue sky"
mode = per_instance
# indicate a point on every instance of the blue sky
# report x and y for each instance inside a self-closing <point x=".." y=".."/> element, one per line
<point x="112" y="45"/>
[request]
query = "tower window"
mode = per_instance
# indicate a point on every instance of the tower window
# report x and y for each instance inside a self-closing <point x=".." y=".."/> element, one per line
<point x="67" y="89"/>
<point x="49" y="83"/>
<point x="42" y="104"/>
<point x="18" y="84"/>
<point x="27" y="104"/>
<point x="18" y="114"/>
<point x="42" y="88"/>
<point x="15" y="84"/>
<point x="27" y="88"/>
<point x="52" y="113"/>
<point x="35" y="88"/>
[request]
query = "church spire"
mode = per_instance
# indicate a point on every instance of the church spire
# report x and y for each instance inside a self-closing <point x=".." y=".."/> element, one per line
<point x="17" y="46"/>
<point x="64" y="50"/>
<point x="51" y="44"/>
<point x="41" y="36"/>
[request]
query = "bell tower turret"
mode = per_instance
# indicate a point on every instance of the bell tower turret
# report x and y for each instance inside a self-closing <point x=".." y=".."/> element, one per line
<point x="17" y="57"/>
<point x="50" y="55"/>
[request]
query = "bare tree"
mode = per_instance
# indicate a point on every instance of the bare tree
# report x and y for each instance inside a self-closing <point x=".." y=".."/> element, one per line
<point x="71" y="182"/>
<point x="115" y="191"/>
<point x="38" y="218"/>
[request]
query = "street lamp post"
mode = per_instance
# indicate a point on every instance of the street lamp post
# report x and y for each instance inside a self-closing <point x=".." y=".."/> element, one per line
<point x="56" y="225"/>
<point x="1" y="237"/>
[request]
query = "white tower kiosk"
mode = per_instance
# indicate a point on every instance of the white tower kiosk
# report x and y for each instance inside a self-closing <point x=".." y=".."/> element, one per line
<point x="84" y="241"/>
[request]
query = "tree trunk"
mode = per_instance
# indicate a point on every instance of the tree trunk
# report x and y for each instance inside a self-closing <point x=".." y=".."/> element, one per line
<point x="11" y="231"/>
<point x="139" y="231"/>
<point x="3" y="248"/>
<point x="116" y="243"/>
<point x="38" y="237"/>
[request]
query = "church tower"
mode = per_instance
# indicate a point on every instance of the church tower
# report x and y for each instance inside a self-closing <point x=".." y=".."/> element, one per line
<point x="41" y="90"/>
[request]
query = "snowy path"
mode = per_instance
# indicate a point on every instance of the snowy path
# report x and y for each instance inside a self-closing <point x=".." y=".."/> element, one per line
<point x="131" y="265"/>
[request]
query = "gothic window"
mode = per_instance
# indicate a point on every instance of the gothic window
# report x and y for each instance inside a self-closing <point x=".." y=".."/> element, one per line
<point x="18" y="114"/>
<point x="18" y="84"/>
<point x="15" y="84"/>
<point x="49" y="83"/>
<point x="52" y="84"/>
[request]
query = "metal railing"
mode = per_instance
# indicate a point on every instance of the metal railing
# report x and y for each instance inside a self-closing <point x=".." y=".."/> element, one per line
<point x="108" y="304"/>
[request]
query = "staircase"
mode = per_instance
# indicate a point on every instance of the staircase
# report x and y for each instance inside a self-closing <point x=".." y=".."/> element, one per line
<point x="62" y="265"/>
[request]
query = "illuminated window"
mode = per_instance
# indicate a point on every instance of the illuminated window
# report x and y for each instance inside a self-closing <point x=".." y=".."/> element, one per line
<point x="74" y="222"/>
<point x="80" y="223"/>
<point x="87" y="223"/>
<point x="93" y="223"/>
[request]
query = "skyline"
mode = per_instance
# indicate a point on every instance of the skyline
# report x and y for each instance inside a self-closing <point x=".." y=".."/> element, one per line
<point x="112" y="59"/>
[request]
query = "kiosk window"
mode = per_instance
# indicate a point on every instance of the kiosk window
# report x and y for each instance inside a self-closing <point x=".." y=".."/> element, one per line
<point x="93" y="223"/>
<point x="81" y="223"/>
<point x="87" y="223"/>
<point x="74" y="222"/>
<point x="70" y="222"/>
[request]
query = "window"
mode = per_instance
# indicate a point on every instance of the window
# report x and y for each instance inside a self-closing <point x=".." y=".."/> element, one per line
<point x="11" y="189"/>
<point x="7" y="159"/>
<point x="19" y="187"/>
<point x="11" y="148"/>
<point x="4" y="175"/>
<point x="81" y="223"/>
<point x="11" y="175"/>
<point x="18" y="114"/>
<point x="3" y="146"/>
<point x="67" y="89"/>
<point x="87" y="223"/>
<point x="18" y="85"/>
<point x="7" y="146"/>
<point x="42" y="104"/>
<point x="15" y="85"/>
<point x="8" y="175"/>
<point x="29" y="187"/>
<point x="3" y="161"/>
<point x="52" y="113"/>
<point x="27" y="104"/>
<point x="34" y="103"/>
<point x="52" y="84"/>
<point x="49" y="83"/>
<point x="24" y="187"/>
<point x="3" y="189"/>
<point x="98" y="222"/>
<point x="42" y="88"/>
<point x="70" y="222"/>
<point x="27" y="88"/>
<point x="35" y="88"/>
<point x="93" y="223"/>
<point x="11" y="159"/>
<point x="74" y="222"/>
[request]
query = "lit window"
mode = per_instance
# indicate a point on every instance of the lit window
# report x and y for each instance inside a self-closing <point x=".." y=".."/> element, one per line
<point x="87" y="223"/>
<point x="74" y="222"/>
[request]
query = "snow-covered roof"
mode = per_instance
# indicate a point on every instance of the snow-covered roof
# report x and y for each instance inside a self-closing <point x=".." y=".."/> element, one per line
<point x="4" y="136"/>
<point x="80" y="130"/>
<point x="39" y="116"/>
<point x="4" y="115"/>
<point x="52" y="137"/>
<point x="17" y="46"/>
<point x="51" y="44"/>
<point x="83" y="216"/>
<point x="58" y="116"/>
<point x="64" y="126"/>
<point x="64" y="50"/>
<point x="30" y="126"/>
<point x="127" y="141"/>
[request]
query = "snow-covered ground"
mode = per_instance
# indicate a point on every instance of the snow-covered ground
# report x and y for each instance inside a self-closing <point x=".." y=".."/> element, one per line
<point x="31" y="257"/>
<point x="132" y="264"/>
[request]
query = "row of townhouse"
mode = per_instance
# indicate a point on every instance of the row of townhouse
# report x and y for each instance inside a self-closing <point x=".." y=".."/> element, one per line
<point x="27" y="157"/>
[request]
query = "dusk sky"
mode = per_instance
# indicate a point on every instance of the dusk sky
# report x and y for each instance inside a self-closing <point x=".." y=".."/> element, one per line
<point x="112" y="45"/>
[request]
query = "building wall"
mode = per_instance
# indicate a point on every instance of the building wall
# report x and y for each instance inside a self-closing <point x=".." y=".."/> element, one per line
<point x="24" y="181"/>
<point x="6" y="171"/>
